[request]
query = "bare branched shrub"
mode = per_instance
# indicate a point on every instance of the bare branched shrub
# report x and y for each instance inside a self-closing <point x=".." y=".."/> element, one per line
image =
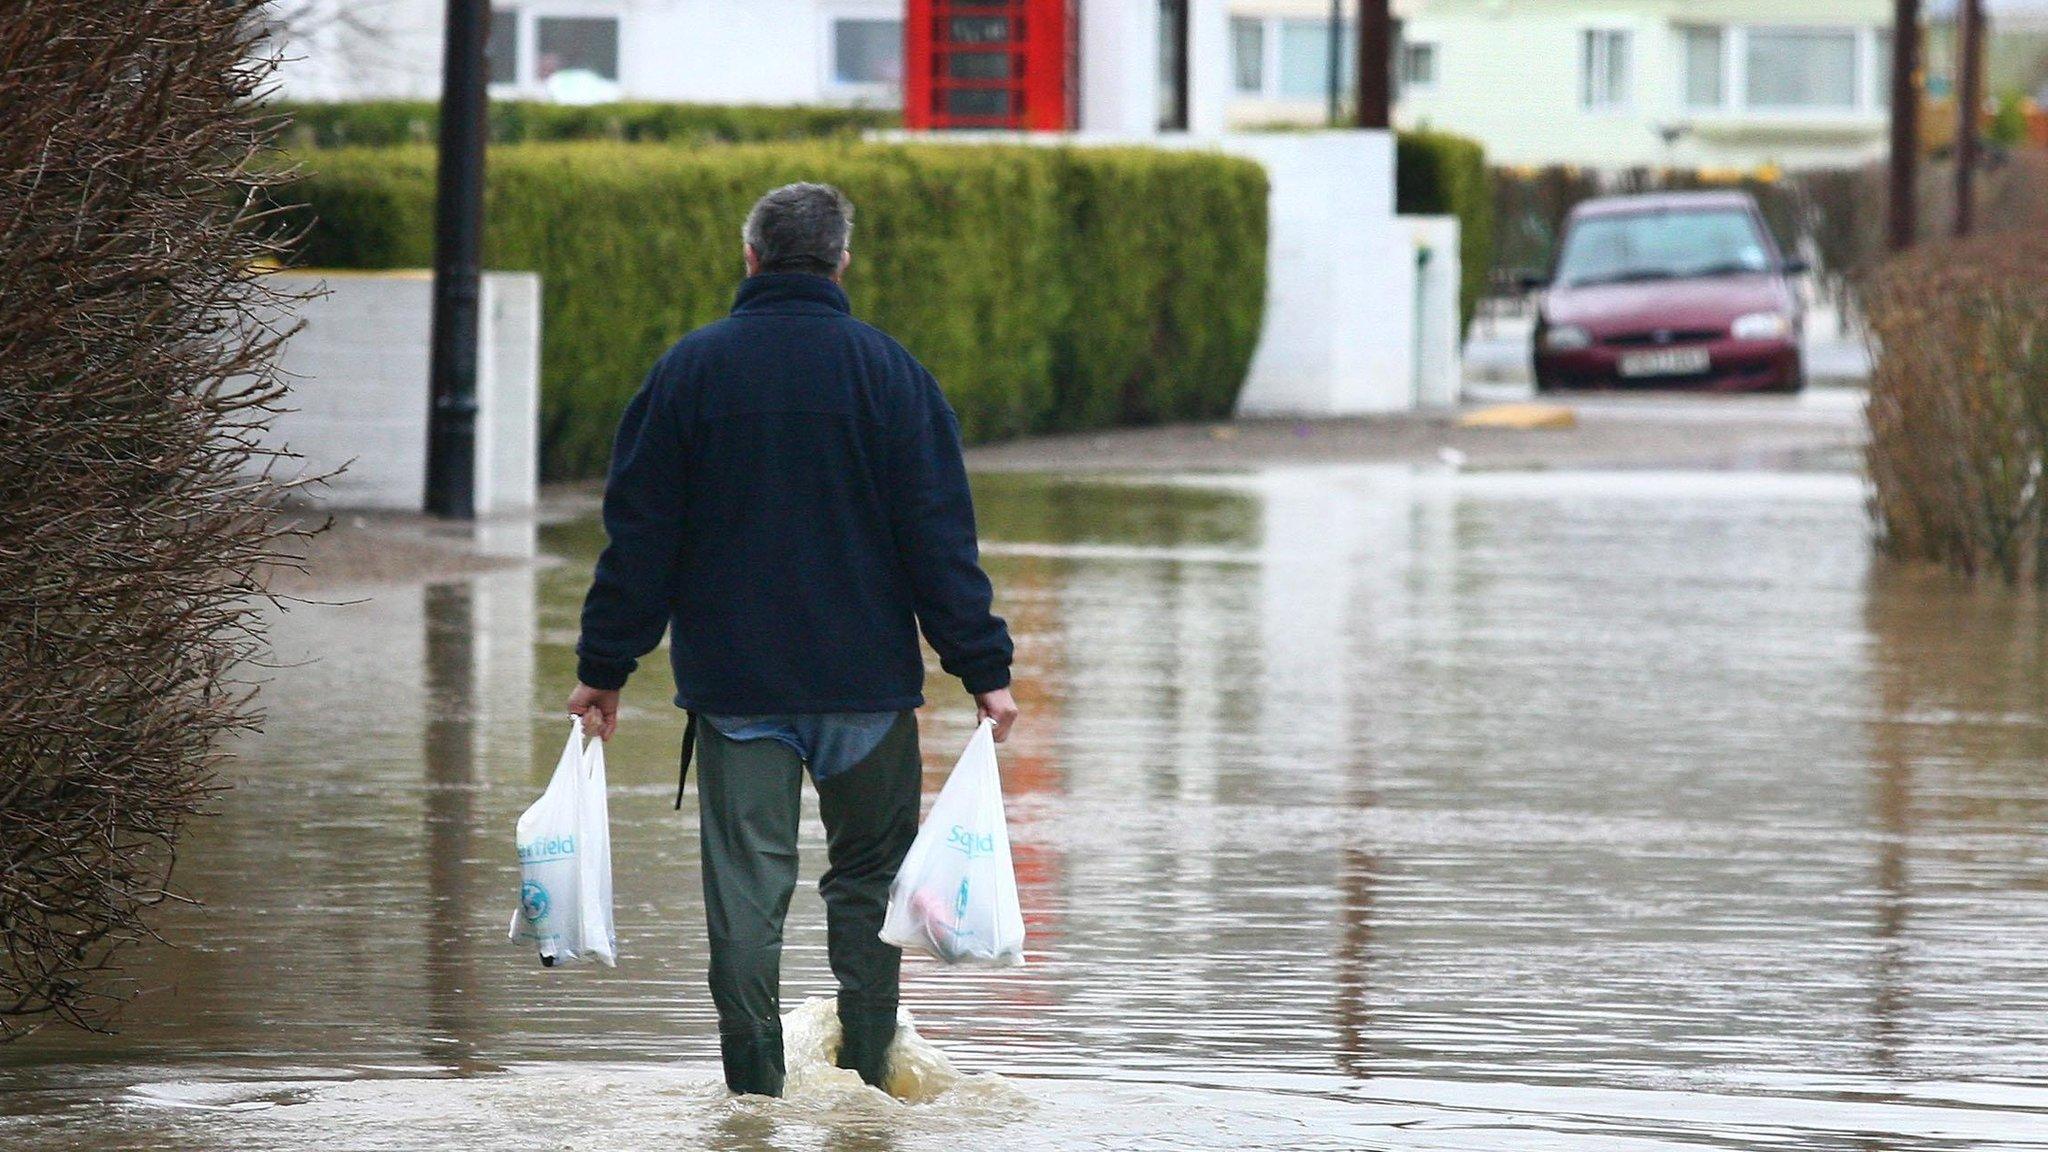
<point x="136" y="505"/>
<point x="1959" y="405"/>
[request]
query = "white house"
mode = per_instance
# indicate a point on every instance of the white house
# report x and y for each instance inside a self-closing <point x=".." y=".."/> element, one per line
<point x="1361" y="305"/>
<point x="715" y="51"/>
<point x="1621" y="83"/>
<point x="1598" y="83"/>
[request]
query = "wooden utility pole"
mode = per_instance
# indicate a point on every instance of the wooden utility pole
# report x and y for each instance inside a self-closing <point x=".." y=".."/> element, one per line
<point x="1375" y="68"/>
<point x="458" y="246"/>
<point x="1905" y="158"/>
<point x="1969" y="102"/>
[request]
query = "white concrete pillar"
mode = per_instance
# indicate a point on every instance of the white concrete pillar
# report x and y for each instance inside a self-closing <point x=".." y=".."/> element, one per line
<point x="1210" y="79"/>
<point x="359" y="397"/>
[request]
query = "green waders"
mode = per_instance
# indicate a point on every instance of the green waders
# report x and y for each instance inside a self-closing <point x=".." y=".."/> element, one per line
<point x="748" y="804"/>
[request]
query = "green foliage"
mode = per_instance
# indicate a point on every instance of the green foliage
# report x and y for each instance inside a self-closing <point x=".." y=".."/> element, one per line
<point x="2009" y="124"/>
<point x="1438" y="174"/>
<point x="1164" y="259"/>
<point x="383" y="123"/>
<point x="1046" y="288"/>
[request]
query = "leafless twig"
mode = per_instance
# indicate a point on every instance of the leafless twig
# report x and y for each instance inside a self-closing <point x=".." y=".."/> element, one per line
<point x="137" y="505"/>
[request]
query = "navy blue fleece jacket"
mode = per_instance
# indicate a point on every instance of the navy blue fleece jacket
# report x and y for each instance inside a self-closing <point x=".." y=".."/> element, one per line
<point x="787" y="498"/>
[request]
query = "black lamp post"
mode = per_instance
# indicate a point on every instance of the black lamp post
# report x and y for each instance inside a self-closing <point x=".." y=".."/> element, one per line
<point x="458" y="242"/>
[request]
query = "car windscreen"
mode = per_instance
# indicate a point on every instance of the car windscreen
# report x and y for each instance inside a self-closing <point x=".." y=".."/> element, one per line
<point x="1661" y="246"/>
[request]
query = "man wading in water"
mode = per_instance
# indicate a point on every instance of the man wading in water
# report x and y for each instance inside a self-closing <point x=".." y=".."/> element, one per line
<point x="787" y="497"/>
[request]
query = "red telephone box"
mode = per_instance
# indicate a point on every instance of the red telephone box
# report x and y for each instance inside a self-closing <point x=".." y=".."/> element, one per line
<point x="989" y="64"/>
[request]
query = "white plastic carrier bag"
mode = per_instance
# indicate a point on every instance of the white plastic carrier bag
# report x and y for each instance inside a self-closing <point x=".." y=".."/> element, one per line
<point x="565" y="861"/>
<point x="956" y="894"/>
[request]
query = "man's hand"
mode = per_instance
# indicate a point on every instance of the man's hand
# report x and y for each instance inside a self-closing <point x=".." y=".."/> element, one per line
<point x="599" y="708"/>
<point x="998" y="706"/>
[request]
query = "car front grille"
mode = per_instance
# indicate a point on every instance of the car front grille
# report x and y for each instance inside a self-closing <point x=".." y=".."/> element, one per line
<point x="1661" y="337"/>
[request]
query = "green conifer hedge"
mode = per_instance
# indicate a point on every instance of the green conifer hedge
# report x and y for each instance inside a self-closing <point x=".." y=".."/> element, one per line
<point x="1439" y="174"/>
<point x="1047" y="288"/>
<point x="384" y="123"/>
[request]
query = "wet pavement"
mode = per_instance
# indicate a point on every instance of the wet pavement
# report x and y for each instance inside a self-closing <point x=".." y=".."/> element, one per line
<point x="1354" y="808"/>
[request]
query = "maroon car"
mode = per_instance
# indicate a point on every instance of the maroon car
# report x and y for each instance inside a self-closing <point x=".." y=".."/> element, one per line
<point x="1671" y="290"/>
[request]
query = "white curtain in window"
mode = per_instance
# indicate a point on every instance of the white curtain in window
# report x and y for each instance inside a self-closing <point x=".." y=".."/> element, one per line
<point x="1248" y="53"/>
<point x="1702" y="49"/>
<point x="1418" y="65"/>
<point x="1801" y="68"/>
<point x="1604" y="68"/>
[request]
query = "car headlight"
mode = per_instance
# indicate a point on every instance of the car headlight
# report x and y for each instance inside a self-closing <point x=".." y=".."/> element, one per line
<point x="1566" y="338"/>
<point x="1761" y="326"/>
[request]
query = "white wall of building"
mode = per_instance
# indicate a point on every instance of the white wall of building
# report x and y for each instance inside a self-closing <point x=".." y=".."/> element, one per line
<point x="360" y="50"/>
<point x="710" y="51"/>
<point x="1340" y="305"/>
<point x="359" y="397"/>
<point x="1514" y="74"/>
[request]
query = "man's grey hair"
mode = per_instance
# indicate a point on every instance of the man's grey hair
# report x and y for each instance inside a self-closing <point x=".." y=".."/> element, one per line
<point x="800" y="228"/>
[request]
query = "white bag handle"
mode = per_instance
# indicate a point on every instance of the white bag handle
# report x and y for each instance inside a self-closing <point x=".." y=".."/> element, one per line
<point x="591" y="746"/>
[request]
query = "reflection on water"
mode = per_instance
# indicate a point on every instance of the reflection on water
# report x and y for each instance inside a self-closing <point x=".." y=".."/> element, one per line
<point x="1354" y="808"/>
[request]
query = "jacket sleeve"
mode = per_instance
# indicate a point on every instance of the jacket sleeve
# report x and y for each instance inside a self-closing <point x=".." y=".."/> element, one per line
<point x="933" y="515"/>
<point x="627" y="608"/>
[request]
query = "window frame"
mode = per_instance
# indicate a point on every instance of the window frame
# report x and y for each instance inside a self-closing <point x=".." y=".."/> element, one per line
<point x="1276" y="90"/>
<point x="830" y="86"/>
<point x="1404" y="56"/>
<point x="516" y="21"/>
<point x="1724" y="73"/>
<point x="1871" y="85"/>
<point x="1270" y="90"/>
<point x="1858" y="80"/>
<point x="1259" y="91"/>
<point x="527" y="84"/>
<point x="1606" y="36"/>
<point x="618" y="24"/>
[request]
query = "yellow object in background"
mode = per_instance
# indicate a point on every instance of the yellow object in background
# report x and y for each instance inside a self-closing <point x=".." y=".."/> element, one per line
<point x="1527" y="417"/>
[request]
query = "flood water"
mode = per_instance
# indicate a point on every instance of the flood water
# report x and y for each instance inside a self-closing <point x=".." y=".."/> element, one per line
<point x="1353" y="809"/>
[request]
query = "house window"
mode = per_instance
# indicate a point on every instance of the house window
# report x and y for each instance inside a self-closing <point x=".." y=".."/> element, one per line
<point x="1248" y="54"/>
<point x="1305" y="59"/>
<point x="1881" y="69"/>
<point x="1801" y="68"/>
<point x="578" y="44"/>
<point x="867" y="52"/>
<point x="1604" y="68"/>
<point x="1417" y="66"/>
<point x="1701" y="51"/>
<point x="502" y="49"/>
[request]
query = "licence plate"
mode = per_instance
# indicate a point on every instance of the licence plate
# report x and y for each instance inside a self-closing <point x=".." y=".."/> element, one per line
<point x="1665" y="362"/>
